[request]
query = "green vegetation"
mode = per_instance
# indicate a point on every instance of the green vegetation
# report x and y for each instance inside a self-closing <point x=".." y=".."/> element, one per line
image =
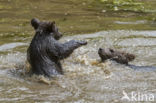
<point x="125" y="5"/>
<point x="76" y="16"/>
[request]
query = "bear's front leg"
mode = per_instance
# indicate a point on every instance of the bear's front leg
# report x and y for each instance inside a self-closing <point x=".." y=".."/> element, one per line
<point x="67" y="48"/>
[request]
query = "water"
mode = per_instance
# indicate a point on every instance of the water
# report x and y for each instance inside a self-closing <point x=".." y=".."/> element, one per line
<point x="86" y="80"/>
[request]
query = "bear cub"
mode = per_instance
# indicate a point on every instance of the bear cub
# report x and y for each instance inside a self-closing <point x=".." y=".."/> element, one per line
<point x="118" y="56"/>
<point x="45" y="51"/>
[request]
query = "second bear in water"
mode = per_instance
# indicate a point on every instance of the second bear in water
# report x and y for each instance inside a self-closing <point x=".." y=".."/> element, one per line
<point x="118" y="56"/>
<point x="122" y="58"/>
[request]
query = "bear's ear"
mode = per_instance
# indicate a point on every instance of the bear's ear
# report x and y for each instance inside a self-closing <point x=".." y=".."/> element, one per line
<point x="53" y="22"/>
<point x="35" y="23"/>
<point x="53" y="25"/>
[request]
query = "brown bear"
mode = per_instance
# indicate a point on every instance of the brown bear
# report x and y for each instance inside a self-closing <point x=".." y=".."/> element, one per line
<point x="122" y="58"/>
<point x="45" y="51"/>
<point x="118" y="56"/>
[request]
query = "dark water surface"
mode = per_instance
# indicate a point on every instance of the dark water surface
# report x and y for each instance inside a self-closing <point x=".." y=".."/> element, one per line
<point x="85" y="79"/>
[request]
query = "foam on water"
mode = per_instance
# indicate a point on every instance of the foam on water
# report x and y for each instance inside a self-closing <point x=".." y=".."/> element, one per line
<point x="5" y="47"/>
<point x="12" y="59"/>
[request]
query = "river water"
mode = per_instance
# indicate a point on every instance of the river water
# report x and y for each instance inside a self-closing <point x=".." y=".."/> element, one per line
<point x="86" y="80"/>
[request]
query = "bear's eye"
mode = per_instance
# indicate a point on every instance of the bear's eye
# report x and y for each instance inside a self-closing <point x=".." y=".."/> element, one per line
<point x="111" y="50"/>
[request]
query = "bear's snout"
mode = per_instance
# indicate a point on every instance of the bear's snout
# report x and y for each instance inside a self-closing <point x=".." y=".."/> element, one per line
<point x="100" y="50"/>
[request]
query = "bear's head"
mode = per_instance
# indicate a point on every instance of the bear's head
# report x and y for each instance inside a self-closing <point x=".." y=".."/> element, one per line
<point x="47" y="28"/>
<point x="106" y="53"/>
<point x="119" y="56"/>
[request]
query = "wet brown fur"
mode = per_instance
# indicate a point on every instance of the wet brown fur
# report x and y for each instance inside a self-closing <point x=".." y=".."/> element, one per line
<point x="118" y="56"/>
